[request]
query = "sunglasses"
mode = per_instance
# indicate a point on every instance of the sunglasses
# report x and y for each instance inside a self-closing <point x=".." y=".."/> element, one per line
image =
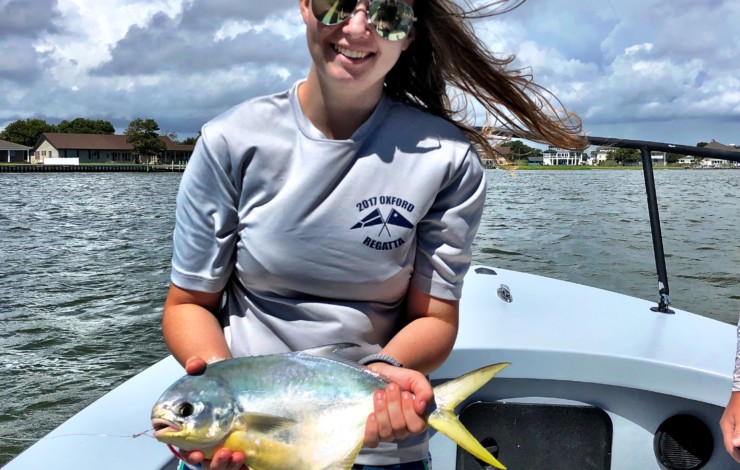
<point x="392" y="19"/>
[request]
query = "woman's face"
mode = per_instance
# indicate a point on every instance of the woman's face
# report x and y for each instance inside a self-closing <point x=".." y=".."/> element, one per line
<point x="351" y="53"/>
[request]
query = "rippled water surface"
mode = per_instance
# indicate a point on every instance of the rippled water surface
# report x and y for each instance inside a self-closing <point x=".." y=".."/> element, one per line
<point x="84" y="266"/>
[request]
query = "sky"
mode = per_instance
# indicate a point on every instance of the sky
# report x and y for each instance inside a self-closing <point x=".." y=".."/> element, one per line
<point x="661" y="70"/>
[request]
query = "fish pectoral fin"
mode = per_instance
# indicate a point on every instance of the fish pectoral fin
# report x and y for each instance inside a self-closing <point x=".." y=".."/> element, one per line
<point x="265" y="423"/>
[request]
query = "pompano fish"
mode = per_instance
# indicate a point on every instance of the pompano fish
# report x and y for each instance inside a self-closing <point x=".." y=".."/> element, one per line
<point x="304" y="410"/>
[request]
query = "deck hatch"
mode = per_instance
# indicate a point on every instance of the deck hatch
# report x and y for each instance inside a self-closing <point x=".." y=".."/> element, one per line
<point x="529" y="435"/>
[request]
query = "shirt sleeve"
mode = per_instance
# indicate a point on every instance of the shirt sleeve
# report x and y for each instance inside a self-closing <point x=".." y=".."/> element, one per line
<point x="206" y="219"/>
<point x="445" y="235"/>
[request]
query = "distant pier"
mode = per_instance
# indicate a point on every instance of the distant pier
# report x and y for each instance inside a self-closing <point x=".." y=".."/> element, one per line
<point x="31" y="168"/>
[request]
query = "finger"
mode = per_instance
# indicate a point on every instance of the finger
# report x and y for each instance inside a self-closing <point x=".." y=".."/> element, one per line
<point x="414" y="422"/>
<point x="420" y="405"/>
<point x="226" y="460"/>
<point x="395" y="411"/>
<point x="728" y="429"/>
<point x="193" y="458"/>
<point x="238" y="460"/>
<point x="383" y="420"/>
<point x="195" y="365"/>
<point x="423" y="395"/>
<point x="371" y="432"/>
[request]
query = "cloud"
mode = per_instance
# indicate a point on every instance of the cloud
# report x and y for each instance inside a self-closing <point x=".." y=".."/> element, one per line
<point x="635" y="65"/>
<point x="22" y="23"/>
<point x="28" y="18"/>
<point x="648" y="69"/>
<point x="173" y="47"/>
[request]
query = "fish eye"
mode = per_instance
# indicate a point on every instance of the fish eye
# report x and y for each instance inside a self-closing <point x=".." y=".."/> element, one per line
<point x="185" y="409"/>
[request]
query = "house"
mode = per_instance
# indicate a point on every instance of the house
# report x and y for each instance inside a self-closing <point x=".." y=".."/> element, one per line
<point x="716" y="162"/>
<point x="601" y="154"/>
<point x="100" y="148"/>
<point x="686" y="161"/>
<point x="557" y="156"/>
<point x="659" y="158"/>
<point x="14" y="153"/>
<point x="498" y="159"/>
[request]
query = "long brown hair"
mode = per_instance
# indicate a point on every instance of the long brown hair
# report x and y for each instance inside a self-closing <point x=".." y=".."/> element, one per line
<point x="446" y="53"/>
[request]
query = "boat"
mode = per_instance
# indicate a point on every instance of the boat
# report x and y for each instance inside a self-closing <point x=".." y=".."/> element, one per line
<point x="599" y="380"/>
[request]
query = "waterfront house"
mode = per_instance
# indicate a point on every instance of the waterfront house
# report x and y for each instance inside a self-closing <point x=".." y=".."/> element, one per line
<point x="686" y="160"/>
<point x="659" y="158"/>
<point x="716" y="162"/>
<point x="557" y="156"/>
<point x="600" y="155"/>
<point x="14" y="153"/>
<point x="100" y="148"/>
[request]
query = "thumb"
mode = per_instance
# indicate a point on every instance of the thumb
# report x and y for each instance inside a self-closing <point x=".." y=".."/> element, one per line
<point x="736" y="438"/>
<point x="195" y="365"/>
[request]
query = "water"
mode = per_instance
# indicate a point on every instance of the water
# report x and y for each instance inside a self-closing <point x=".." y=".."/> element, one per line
<point x="84" y="265"/>
<point x="592" y="227"/>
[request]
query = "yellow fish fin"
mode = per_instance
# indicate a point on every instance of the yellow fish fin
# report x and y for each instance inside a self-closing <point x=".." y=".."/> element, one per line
<point x="264" y="423"/>
<point x="262" y="452"/>
<point x="448" y="396"/>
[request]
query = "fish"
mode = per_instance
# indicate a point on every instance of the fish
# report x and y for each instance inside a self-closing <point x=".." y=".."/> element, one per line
<point x="302" y="410"/>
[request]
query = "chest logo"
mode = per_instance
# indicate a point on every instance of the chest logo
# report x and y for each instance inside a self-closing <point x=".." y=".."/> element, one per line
<point x="386" y="225"/>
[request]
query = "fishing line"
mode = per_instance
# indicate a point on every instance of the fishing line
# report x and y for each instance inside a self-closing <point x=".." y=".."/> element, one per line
<point x="30" y="439"/>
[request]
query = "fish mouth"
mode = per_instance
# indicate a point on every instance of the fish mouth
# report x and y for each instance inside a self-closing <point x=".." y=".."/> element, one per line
<point x="164" y="427"/>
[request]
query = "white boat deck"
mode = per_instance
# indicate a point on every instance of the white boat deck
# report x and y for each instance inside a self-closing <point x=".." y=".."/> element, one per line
<point x="566" y="342"/>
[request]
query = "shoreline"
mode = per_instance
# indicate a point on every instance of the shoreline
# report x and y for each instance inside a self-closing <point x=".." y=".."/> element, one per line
<point x="97" y="168"/>
<point x="594" y="168"/>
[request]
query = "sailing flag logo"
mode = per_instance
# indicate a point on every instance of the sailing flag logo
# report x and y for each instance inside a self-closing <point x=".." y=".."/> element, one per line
<point x="385" y="239"/>
<point x="376" y="218"/>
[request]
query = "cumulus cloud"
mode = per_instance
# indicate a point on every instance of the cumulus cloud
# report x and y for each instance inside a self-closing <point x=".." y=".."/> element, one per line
<point x="173" y="47"/>
<point x="634" y="66"/>
<point x="28" y="18"/>
<point x="22" y="23"/>
<point x="647" y="69"/>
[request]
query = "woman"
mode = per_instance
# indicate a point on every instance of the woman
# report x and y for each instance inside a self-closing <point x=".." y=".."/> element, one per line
<point x="344" y="209"/>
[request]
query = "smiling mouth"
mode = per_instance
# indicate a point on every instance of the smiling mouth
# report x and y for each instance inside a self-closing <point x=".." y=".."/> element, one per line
<point x="356" y="55"/>
<point x="163" y="426"/>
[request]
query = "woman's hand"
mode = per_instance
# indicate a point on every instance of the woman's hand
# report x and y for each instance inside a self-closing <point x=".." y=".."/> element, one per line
<point x="399" y="409"/>
<point x="730" y="424"/>
<point x="223" y="459"/>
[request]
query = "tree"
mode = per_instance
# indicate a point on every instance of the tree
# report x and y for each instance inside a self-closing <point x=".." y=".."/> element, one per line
<point x="673" y="157"/>
<point x="172" y="136"/>
<point x="625" y="155"/>
<point x="190" y="140"/>
<point x="26" y="131"/>
<point x="520" y="151"/>
<point x="86" y="126"/>
<point x="143" y="135"/>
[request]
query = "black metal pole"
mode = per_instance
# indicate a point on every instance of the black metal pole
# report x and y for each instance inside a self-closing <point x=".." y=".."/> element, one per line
<point x="652" y="201"/>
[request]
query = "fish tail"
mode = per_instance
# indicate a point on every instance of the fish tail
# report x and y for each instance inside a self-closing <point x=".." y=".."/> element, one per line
<point x="448" y="395"/>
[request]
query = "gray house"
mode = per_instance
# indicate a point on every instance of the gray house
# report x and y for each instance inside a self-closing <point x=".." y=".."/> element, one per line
<point x="14" y="153"/>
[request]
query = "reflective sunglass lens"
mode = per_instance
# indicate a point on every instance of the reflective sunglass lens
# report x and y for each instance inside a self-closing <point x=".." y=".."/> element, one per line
<point x="331" y="12"/>
<point x="392" y="19"/>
